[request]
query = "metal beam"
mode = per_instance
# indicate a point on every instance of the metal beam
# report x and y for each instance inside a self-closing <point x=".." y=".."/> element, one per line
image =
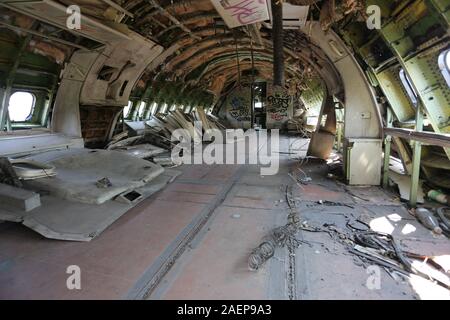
<point x="173" y="19"/>
<point x="190" y="20"/>
<point x="252" y="90"/>
<point x="42" y="35"/>
<point x="387" y="149"/>
<point x="118" y="8"/>
<point x="416" y="159"/>
<point x="428" y="138"/>
<point x="256" y="33"/>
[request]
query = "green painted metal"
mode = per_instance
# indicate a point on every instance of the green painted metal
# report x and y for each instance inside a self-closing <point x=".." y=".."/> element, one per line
<point x="417" y="155"/>
<point x="392" y="88"/>
<point x="419" y="58"/>
<point x="413" y="35"/>
<point x="387" y="149"/>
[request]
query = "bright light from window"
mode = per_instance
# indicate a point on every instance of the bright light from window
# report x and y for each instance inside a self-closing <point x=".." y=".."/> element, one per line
<point x="126" y="110"/>
<point x="444" y="65"/>
<point x="141" y="109"/>
<point x="408" y="86"/>
<point x="164" y="108"/>
<point x="312" y="121"/>
<point x="20" y="106"/>
<point x="447" y="60"/>
<point x="154" y="107"/>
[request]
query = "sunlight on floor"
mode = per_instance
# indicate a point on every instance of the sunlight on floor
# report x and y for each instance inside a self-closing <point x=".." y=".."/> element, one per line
<point x="382" y="225"/>
<point x="427" y="290"/>
<point x="408" y="228"/>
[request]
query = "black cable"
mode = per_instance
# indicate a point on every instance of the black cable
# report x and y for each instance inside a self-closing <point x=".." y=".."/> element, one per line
<point x="441" y="212"/>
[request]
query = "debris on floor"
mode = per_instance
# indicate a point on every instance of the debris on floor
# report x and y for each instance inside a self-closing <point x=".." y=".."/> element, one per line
<point x="154" y="141"/>
<point x="438" y="196"/>
<point x="356" y="235"/>
<point x="104" y="183"/>
<point x="141" y="151"/>
<point x="27" y="169"/>
<point x="19" y="198"/>
<point x="403" y="182"/>
<point x="7" y="173"/>
<point x="427" y="219"/>
<point x="284" y="236"/>
<point x="75" y="194"/>
<point x="165" y="125"/>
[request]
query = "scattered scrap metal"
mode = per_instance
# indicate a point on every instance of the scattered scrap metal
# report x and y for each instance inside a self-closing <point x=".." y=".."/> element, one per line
<point x="358" y="239"/>
<point x="279" y="237"/>
<point x="156" y="143"/>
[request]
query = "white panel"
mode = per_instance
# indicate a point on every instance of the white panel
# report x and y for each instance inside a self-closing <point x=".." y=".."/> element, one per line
<point x="16" y="145"/>
<point x="238" y="13"/>
<point x="365" y="161"/>
<point x="130" y="58"/>
<point x="55" y="14"/>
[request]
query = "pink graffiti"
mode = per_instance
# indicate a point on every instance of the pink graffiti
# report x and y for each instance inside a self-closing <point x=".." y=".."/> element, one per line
<point x="245" y="11"/>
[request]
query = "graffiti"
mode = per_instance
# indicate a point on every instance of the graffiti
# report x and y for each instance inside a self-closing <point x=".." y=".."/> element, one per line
<point x="277" y="117"/>
<point x="239" y="109"/>
<point x="241" y="115"/>
<point x="242" y="12"/>
<point x="245" y="11"/>
<point x="278" y="106"/>
<point x="278" y="102"/>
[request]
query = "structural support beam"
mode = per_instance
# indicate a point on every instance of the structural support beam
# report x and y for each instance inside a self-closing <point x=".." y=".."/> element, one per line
<point x="42" y="35"/>
<point x="416" y="159"/>
<point x="118" y="8"/>
<point x="278" y="46"/>
<point x="428" y="138"/>
<point x="256" y="34"/>
<point x="387" y="149"/>
<point x="173" y="19"/>
<point x="252" y="93"/>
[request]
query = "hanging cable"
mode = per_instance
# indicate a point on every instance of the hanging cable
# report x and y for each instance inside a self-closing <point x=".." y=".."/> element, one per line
<point x="237" y="60"/>
<point x="252" y="86"/>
